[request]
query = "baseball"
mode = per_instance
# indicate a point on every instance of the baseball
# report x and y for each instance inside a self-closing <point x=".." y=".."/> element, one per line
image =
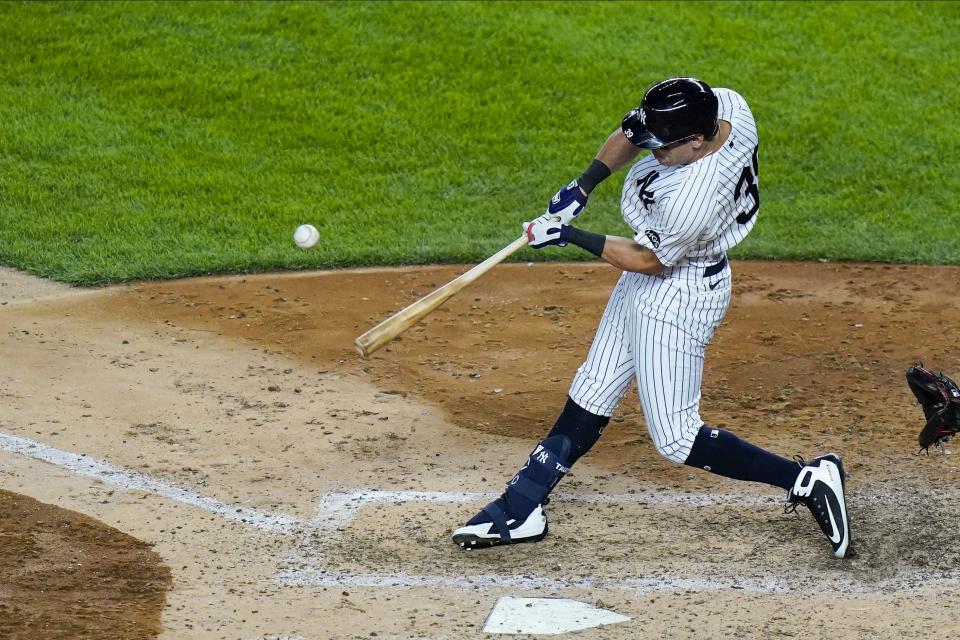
<point x="306" y="236"/>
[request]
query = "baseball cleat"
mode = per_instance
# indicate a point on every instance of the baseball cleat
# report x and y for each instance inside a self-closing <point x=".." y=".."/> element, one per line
<point x="820" y="486"/>
<point x="482" y="531"/>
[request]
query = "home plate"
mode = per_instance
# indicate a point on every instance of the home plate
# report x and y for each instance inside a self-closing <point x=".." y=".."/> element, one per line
<point x="546" y="616"/>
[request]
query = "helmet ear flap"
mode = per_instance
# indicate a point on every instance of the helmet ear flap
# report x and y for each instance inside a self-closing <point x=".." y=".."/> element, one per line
<point x="635" y="129"/>
<point x="631" y="125"/>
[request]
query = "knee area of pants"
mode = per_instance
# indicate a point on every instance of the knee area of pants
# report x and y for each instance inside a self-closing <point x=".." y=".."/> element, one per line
<point x="671" y="452"/>
<point x="677" y="450"/>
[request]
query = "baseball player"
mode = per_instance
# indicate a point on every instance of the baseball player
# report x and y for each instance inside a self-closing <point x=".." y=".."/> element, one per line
<point x="691" y="199"/>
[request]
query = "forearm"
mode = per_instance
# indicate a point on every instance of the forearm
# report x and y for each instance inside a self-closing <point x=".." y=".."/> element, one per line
<point x="622" y="253"/>
<point x="617" y="152"/>
<point x="627" y="255"/>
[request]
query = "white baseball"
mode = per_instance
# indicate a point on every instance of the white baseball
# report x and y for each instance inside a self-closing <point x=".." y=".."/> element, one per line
<point x="306" y="236"/>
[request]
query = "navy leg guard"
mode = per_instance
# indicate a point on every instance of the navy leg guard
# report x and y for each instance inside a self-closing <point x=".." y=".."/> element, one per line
<point x="528" y="489"/>
<point x="536" y="479"/>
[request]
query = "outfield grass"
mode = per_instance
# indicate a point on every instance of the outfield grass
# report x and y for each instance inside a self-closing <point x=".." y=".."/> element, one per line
<point x="154" y="140"/>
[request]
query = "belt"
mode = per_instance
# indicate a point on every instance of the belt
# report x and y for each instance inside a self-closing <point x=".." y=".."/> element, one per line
<point x="716" y="268"/>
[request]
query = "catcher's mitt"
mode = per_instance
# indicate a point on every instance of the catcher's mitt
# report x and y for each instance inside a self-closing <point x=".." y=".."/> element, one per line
<point x="940" y="398"/>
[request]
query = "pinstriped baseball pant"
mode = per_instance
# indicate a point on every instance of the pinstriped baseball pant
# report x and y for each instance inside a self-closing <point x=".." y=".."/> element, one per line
<point x="655" y="330"/>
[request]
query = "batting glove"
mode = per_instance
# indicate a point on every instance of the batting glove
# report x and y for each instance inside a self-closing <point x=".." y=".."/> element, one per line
<point x="545" y="231"/>
<point x="567" y="203"/>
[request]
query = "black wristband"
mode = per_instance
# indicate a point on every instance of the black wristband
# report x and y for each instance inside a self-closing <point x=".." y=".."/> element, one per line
<point x="592" y="242"/>
<point x="596" y="173"/>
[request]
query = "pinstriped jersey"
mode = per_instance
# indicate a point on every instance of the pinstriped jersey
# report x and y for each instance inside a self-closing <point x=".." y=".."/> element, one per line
<point x="692" y="214"/>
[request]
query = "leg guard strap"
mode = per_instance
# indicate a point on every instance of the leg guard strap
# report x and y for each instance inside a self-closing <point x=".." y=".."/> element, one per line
<point x="499" y="518"/>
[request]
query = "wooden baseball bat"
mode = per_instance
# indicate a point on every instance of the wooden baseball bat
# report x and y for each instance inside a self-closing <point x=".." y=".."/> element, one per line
<point x="411" y="314"/>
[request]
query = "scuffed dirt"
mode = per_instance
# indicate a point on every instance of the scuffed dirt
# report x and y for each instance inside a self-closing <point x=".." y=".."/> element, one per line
<point x="249" y="390"/>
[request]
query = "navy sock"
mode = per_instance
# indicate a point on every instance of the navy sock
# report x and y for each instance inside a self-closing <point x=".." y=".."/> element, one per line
<point x="582" y="427"/>
<point x="723" y="453"/>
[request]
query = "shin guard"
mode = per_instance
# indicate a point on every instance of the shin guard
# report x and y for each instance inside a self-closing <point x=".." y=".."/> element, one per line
<point x="545" y="467"/>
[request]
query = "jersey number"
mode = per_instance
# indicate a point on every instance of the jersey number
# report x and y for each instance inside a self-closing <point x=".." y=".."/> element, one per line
<point x="748" y="179"/>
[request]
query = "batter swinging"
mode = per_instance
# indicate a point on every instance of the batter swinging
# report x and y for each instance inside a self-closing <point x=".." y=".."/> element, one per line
<point x="690" y="200"/>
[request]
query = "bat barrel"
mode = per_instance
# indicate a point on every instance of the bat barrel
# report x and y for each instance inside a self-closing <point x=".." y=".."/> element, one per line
<point x="402" y="320"/>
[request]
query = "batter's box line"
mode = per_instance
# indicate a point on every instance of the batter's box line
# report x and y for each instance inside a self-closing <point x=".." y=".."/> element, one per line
<point x="638" y="586"/>
<point x="129" y="480"/>
<point x="336" y="509"/>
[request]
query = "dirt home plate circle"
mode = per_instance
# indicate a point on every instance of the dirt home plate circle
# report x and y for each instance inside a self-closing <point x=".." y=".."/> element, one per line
<point x="306" y="236"/>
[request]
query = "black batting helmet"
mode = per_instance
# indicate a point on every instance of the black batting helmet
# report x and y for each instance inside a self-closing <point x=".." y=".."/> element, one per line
<point x="671" y="111"/>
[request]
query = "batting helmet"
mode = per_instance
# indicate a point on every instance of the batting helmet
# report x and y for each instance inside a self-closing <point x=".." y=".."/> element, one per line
<point x="672" y="111"/>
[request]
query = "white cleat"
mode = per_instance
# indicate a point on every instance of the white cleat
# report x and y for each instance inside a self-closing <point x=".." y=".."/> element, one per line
<point x="820" y="486"/>
<point x="486" y="534"/>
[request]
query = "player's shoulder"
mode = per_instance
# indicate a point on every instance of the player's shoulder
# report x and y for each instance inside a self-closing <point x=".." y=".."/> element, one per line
<point x="643" y="166"/>
<point x="724" y="91"/>
<point x="698" y="182"/>
<point x="730" y="104"/>
<point x="729" y="95"/>
<point x="701" y="177"/>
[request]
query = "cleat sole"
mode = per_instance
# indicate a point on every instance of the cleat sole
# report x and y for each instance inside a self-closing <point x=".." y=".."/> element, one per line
<point x="468" y="542"/>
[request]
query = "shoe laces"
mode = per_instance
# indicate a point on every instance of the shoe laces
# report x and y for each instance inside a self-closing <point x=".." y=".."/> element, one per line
<point x="793" y="500"/>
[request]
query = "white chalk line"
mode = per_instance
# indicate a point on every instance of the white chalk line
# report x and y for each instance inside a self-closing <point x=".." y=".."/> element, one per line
<point x="135" y="481"/>
<point x="336" y="509"/>
<point x="638" y="586"/>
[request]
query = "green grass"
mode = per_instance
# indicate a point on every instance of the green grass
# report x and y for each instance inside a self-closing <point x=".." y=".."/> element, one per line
<point x="155" y="140"/>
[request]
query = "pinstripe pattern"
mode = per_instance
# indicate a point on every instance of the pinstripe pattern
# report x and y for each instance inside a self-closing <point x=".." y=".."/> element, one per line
<point x="693" y="209"/>
<point x="655" y="329"/>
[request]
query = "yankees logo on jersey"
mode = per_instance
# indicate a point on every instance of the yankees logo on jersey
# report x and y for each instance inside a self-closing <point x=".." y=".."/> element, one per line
<point x="698" y="211"/>
<point x="644" y="190"/>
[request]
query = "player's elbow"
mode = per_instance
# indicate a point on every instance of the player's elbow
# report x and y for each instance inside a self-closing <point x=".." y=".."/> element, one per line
<point x="641" y="260"/>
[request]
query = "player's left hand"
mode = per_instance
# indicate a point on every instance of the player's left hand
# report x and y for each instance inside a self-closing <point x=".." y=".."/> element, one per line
<point x="545" y="231"/>
<point x="567" y="203"/>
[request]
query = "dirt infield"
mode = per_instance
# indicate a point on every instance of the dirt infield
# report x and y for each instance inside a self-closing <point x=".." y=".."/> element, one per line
<point x="68" y="576"/>
<point x="297" y="491"/>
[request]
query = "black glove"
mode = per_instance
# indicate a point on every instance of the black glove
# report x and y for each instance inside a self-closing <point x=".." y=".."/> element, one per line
<point x="940" y="398"/>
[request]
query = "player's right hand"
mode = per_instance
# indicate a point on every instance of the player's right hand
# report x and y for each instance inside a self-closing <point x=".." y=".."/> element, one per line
<point x="544" y="232"/>
<point x="567" y="203"/>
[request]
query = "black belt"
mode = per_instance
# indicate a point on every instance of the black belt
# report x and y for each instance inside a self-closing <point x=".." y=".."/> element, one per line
<point x="715" y="269"/>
